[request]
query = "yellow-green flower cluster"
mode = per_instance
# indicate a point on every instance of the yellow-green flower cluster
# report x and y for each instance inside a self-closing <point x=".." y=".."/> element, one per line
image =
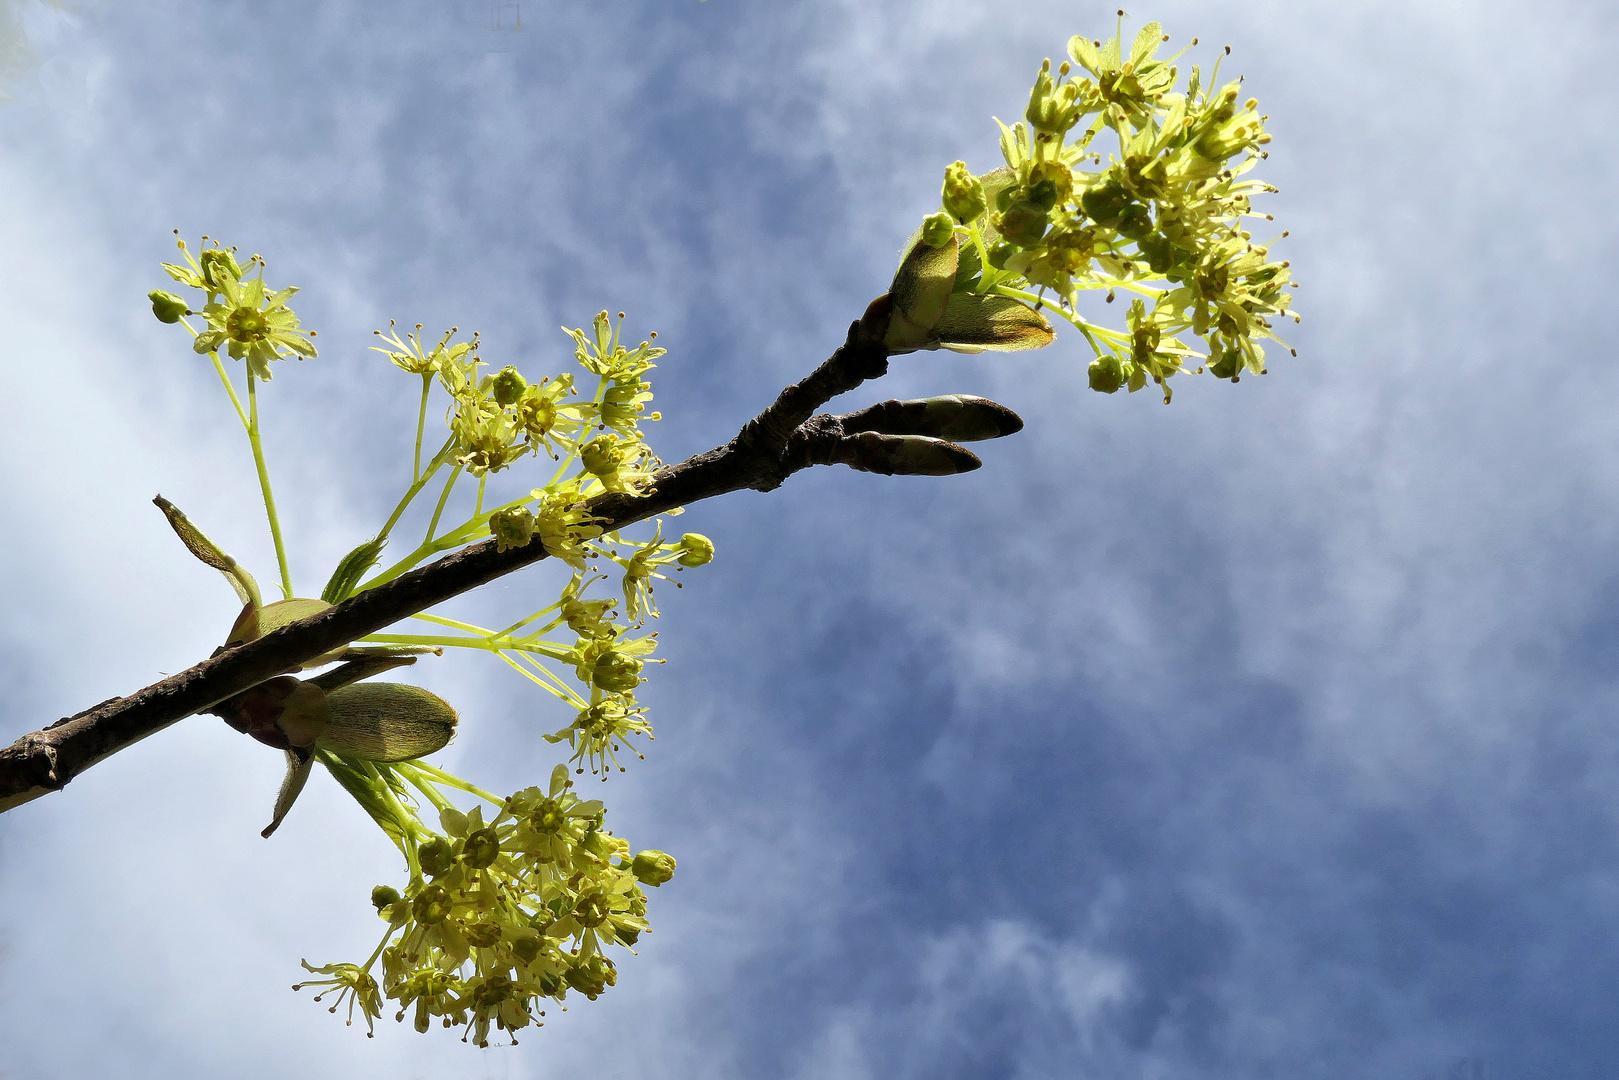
<point x="1162" y="217"/>
<point x="243" y="316"/>
<point x="499" y="916"/>
<point x="496" y="915"/>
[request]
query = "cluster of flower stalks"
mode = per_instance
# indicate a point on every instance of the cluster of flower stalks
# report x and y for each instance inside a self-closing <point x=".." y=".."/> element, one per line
<point x="515" y="903"/>
<point x="495" y="915"/>
<point x="1161" y="218"/>
<point x="501" y="915"/>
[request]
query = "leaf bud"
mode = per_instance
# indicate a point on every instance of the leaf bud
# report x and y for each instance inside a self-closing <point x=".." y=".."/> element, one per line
<point x="507" y="385"/>
<point x="512" y="527"/>
<point x="653" y="867"/>
<point x="166" y="306"/>
<point x="1106" y="374"/>
<point x="435" y="857"/>
<point x="695" y="550"/>
<point x="963" y="193"/>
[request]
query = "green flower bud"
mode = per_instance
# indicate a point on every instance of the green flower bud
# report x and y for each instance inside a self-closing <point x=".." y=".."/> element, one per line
<point x="492" y="991"/>
<point x="166" y="306"/>
<point x="482" y="935"/>
<point x="653" y="867"/>
<point x="601" y="456"/>
<point x="1105" y="203"/>
<point x="526" y="949"/>
<point x="480" y="849"/>
<point x="217" y="264"/>
<point x="937" y="229"/>
<point x="963" y="193"/>
<point x="383" y="895"/>
<point x="511" y="528"/>
<point x="1023" y="223"/>
<point x="695" y="550"/>
<point x="507" y="386"/>
<point x="1050" y="183"/>
<point x="592" y="976"/>
<point x="1052" y="109"/>
<point x="1159" y="252"/>
<point x="1135" y="221"/>
<point x="435" y="857"/>
<point x="999" y="253"/>
<point x="1106" y="374"/>
<point x="617" y="673"/>
<point x="432" y="905"/>
<point x="1226" y="364"/>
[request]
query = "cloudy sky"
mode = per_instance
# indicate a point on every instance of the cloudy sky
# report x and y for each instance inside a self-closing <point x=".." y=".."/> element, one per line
<point x="1268" y="735"/>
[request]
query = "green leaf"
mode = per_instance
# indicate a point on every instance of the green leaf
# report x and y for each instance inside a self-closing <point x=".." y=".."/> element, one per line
<point x="353" y="567"/>
<point x="247" y="590"/>
<point x="973" y="323"/>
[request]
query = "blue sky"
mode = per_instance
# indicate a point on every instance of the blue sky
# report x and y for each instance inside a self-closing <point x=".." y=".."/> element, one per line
<point x="1269" y="734"/>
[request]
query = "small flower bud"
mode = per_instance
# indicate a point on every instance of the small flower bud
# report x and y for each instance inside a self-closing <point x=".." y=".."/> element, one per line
<point x="383" y="895"/>
<point x="601" y="456"/>
<point x="1023" y="223"/>
<point x="1052" y="109"/>
<point x="480" y="849"/>
<point x="512" y="528"/>
<point x="166" y="306"/>
<point x="653" y="867"/>
<point x="482" y="935"/>
<point x="591" y="976"/>
<point x="695" y="550"/>
<point x="963" y="193"/>
<point x="616" y="673"/>
<point x="507" y="386"/>
<point x="937" y="229"/>
<point x="217" y="264"/>
<point x="1106" y="374"/>
<point x="1105" y="203"/>
<point x="492" y="991"/>
<point x="435" y="857"/>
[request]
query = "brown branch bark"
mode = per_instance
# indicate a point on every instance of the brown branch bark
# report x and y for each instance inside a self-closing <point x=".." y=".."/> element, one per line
<point x="758" y="457"/>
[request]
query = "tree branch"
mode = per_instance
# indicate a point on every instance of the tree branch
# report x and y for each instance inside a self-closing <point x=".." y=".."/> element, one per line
<point x="46" y="760"/>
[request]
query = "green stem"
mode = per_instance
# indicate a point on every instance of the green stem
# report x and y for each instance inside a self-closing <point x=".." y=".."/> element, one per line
<point x="264" y="482"/>
<point x="451" y="780"/>
<point x="420" y="481"/>
<point x="434" y="795"/>
<point x="438" y="510"/>
<point x="421" y="424"/>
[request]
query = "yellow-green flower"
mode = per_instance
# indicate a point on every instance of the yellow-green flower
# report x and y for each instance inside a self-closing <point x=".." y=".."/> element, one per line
<point x="253" y="325"/>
